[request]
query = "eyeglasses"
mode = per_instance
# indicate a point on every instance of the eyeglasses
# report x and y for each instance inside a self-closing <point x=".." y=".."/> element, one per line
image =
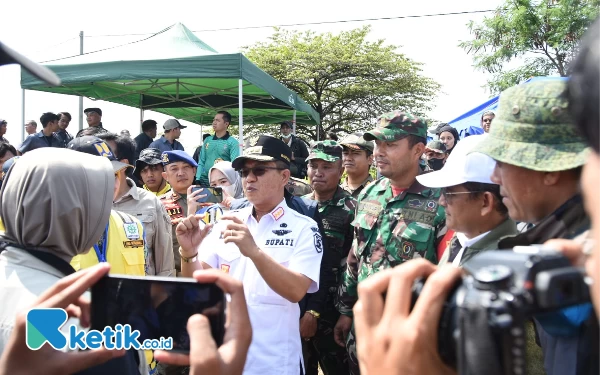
<point x="448" y="196"/>
<point x="256" y="171"/>
<point x="487" y="120"/>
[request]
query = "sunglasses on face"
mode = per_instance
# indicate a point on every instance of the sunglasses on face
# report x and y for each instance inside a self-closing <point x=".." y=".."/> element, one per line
<point x="487" y="120"/>
<point x="256" y="171"/>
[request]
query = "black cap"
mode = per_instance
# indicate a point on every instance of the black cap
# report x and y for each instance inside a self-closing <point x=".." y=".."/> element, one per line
<point x="286" y="123"/>
<point x="148" y="156"/>
<point x="95" y="146"/>
<point x="97" y="110"/>
<point x="266" y="148"/>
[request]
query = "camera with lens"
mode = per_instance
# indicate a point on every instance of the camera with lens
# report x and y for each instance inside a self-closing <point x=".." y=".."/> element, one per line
<point x="483" y="321"/>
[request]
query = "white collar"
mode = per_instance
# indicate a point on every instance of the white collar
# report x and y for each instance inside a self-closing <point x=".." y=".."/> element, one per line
<point x="466" y="242"/>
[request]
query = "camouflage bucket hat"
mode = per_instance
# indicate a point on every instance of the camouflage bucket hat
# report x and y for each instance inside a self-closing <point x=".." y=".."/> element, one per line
<point x="437" y="146"/>
<point x="396" y="125"/>
<point x="357" y="142"/>
<point x="533" y="129"/>
<point x="325" y="150"/>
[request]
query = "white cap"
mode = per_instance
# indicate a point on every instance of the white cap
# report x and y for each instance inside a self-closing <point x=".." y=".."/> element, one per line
<point x="462" y="166"/>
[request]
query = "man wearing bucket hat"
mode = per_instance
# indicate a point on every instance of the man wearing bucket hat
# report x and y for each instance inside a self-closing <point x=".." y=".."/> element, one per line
<point x="539" y="156"/>
<point x="397" y="218"/>
<point x="357" y="159"/>
<point x="336" y="207"/>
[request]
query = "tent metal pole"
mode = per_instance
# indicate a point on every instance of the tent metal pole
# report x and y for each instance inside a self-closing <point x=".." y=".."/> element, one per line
<point x="141" y="112"/>
<point x="22" y="115"/>
<point x="241" y="114"/>
<point x="294" y="123"/>
<point x="81" y="97"/>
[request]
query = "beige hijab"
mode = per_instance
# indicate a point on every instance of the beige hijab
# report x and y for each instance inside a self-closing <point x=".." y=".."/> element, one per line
<point x="57" y="200"/>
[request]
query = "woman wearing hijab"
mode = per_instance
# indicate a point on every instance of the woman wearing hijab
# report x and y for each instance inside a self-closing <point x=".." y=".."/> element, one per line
<point x="53" y="207"/>
<point x="224" y="176"/>
<point x="449" y="137"/>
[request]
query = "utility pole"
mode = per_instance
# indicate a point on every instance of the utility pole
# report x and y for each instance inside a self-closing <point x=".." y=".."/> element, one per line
<point x="81" y="97"/>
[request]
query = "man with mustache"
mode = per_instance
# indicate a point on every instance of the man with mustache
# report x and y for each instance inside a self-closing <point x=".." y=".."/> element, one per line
<point x="357" y="158"/>
<point x="336" y="207"/>
<point x="397" y="218"/>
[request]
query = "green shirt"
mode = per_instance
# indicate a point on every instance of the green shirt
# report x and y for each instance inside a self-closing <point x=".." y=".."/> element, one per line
<point x="225" y="148"/>
<point x="390" y="230"/>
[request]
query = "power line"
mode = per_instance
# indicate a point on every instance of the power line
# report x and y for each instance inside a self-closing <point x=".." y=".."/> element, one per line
<point x="312" y="23"/>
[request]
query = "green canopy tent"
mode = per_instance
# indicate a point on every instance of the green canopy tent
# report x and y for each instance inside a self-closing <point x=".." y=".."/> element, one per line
<point x="175" y="73"/>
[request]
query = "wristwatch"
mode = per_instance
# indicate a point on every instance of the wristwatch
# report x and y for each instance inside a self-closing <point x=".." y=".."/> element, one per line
<point x="314" y="313"/>
<point x="191" y="259"/>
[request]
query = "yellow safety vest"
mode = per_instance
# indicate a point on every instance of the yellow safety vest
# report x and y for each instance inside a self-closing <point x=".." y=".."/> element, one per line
<point x="124" y="250"/>
<point x="124" y="253"/>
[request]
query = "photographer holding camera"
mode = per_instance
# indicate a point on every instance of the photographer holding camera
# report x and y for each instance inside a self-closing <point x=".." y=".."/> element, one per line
<point x="539" y="155"/>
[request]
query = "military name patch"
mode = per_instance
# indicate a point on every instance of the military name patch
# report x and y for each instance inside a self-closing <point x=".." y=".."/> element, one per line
<point x="419" y="216"/>
<point x="369" y="208"/>
<point x="278" y="213"/>
<point x="133" y="244"/>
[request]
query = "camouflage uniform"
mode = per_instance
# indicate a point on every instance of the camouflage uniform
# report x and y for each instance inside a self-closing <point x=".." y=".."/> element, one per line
<point x="298" y="187"/>
<point x="534" y="130"/>
<point x="356" y="192"/>
<point x="356" y="141"/>
<point x="390" y="230"/>
<point x="337" y="215"/>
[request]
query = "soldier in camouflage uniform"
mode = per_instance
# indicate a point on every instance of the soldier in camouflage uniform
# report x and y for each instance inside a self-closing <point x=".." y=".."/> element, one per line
<point x="336" y="208"/>
<point x="357" y="159"/>
<point x="397" y="219"/>
<point x="434" y="156"/>
<point x="298" y="187"/>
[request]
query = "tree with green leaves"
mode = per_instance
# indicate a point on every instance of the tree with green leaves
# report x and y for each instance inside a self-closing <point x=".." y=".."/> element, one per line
<point x="541" y="35"/>
<point x="347" y="79"/>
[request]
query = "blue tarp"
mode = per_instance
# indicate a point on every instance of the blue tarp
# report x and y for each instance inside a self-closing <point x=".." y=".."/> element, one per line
<point x="470" y="122"/>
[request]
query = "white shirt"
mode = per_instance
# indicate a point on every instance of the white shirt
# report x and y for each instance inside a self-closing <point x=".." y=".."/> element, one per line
<point x="464" y="243"/>
<point x="291" y="239"/>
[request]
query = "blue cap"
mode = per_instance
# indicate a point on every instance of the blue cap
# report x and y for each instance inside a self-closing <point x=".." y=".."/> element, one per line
<point x="169" y="157"/>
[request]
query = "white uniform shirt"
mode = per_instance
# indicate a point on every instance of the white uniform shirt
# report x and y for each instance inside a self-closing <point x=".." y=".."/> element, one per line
<point x="465" y="242"/>
<point x="291" y="239"/>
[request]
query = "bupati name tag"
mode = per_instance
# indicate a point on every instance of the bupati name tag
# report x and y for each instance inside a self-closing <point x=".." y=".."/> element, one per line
<point x="369" y="208"/>
<point x="133" y="244"/>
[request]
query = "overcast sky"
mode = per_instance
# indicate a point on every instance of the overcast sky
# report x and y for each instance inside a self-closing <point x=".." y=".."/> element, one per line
<point x="42" y="31"/>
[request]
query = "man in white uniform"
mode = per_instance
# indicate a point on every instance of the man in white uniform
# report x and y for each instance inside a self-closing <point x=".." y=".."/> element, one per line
<point x="272" y="249"/>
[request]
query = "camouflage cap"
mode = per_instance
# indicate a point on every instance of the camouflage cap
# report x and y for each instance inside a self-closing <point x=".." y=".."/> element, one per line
<point x="357" y="142"/>
<point x="325" y="150"/>
<point x="437" y="146"/>
<point x="396" y="125"/>
<point x="533" y="129"/>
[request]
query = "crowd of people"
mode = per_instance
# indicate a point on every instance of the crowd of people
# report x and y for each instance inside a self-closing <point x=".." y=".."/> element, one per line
<point x="319" y="273"/>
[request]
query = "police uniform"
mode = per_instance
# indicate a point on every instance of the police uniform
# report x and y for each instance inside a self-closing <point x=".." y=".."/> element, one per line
<point x="337" y="215"/>
<point x="175" y="203"/>
<point x="390" y="230"/>
<point x="290" y="239"/>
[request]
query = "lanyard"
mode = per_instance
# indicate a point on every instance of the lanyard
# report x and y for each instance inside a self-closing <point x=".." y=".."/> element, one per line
<point x="101" y="253"/>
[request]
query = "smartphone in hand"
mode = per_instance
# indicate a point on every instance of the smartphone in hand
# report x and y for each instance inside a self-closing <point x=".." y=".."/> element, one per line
<point x="157" y="307"/>
<point x="213" y="194"/>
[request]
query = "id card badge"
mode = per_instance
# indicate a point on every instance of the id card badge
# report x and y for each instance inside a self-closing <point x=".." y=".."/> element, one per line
<point x="132" y="231"/>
